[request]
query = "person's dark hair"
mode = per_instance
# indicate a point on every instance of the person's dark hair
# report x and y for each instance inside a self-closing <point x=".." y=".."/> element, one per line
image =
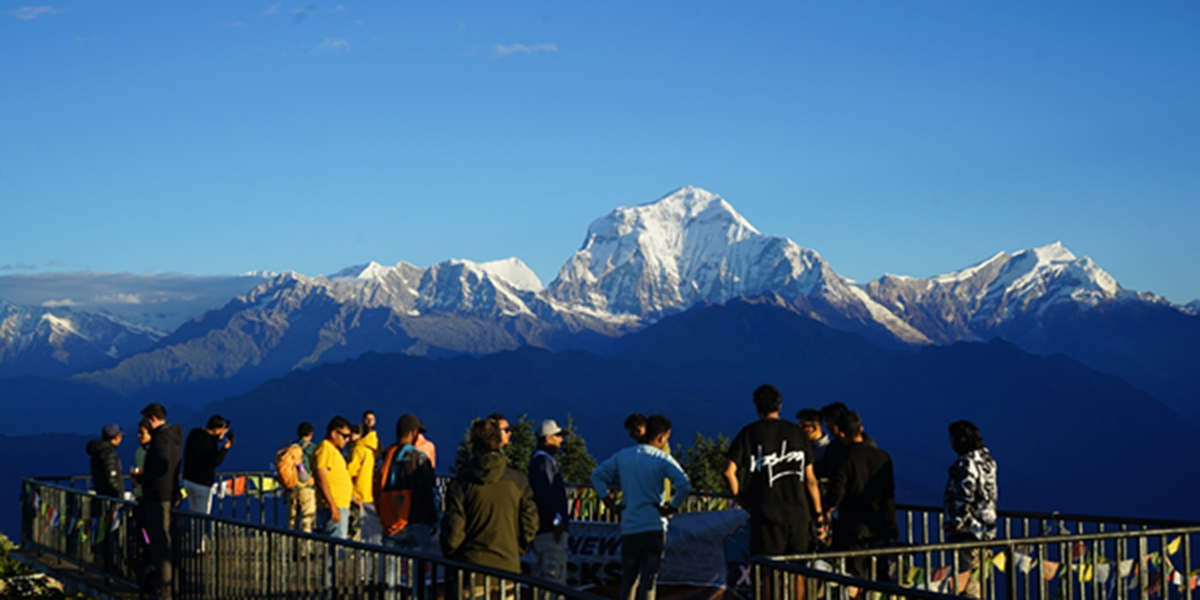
<point x="485" y="436"/>
<point x="368" y="412"/>
<point x="831" y="412"/>
<point x="634" y="421"/>
<point x="304" y="429"/>
<point x="155" y="410"/>
<point x="849" y="423"/>
<point x="216" y="422"/>
<point x="336" y="423"/>
<point x="356" y="429"/>
<point x="965" y="437"/>
<point x="497" y="417"/>
<point x="656" y="425"/>
<point x="809" y="415"/>
<point x="767" y="399"/>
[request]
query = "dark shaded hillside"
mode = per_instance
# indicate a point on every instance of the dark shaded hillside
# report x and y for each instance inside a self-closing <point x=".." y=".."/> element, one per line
<point x="1050" y="421"/>
<point x="39" y="405"/>
<point x="1155" y="347"/>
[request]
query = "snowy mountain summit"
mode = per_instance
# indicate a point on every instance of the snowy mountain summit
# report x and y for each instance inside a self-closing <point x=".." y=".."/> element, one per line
<point x="972" y="302"/>
<point x="692" y="247"/>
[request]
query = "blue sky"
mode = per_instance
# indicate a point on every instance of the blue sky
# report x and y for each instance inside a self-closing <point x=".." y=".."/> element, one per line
<point x="891" y="137"/>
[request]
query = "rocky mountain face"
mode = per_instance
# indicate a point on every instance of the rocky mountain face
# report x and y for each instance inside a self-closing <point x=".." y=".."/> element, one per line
<point x="635" y="267"/>
<point x="977" y="303"/>
<point x="54" y="341"/>
<point x="690" y="248"/>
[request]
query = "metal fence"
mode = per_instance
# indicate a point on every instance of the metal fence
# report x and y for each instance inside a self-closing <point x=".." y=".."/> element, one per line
<point x="244" y="550"/>
<point x="1132" y="564"/>
<point x="221" y="557"/>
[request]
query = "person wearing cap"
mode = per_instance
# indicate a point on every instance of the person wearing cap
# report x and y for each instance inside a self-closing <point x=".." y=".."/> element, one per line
<point x="106" y="465"/>
<point x="405" y="490"/>
<point x="550" y="495"/>
<point x="202" y="453"/>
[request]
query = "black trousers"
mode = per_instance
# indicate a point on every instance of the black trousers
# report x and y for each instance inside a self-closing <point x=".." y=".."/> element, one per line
<point x="641" y="557"/>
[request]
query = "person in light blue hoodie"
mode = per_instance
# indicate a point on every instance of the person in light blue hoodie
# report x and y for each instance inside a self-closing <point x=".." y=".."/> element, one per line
<point x="643" y="471"/>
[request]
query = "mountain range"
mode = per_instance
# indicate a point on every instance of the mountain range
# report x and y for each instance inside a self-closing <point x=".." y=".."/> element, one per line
<point x="636" y="266"/>
<point x="678" y="306"/>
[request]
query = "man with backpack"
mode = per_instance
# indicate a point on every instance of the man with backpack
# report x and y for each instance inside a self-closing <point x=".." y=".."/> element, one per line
<point x="405" y="490"/>
<point x="293" y="467"/>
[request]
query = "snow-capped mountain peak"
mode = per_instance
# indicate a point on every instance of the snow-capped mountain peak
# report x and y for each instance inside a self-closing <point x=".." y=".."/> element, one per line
<point x="512" y="270"/>
<point x="691" y="247"/>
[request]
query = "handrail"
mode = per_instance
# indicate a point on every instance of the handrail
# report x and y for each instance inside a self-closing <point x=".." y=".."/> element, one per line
<point x="777" y="579"/>
<point x="1078" y="566"/>
<point x="705" y="500"/>
<point x="220" y="553"/>
<point x="217" y="556"/>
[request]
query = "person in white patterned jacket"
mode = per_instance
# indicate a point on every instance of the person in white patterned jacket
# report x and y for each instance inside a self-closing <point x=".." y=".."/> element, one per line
<point x="970" y="502"/>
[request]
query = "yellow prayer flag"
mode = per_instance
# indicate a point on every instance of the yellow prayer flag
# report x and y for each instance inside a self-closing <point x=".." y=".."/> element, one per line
<point x="912" y="574"/>
<point x="1000" y="560"/>
<point x="1085" y="574"/>
<point x="1173" y="547"/>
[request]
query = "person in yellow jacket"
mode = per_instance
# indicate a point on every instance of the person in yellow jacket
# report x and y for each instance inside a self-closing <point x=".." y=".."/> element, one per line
<point x="369" y="437"/>
<point x="362" y="471"/>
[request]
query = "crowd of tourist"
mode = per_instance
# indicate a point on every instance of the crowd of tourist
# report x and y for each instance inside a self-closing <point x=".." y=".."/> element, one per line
<point x="820" y="483"/>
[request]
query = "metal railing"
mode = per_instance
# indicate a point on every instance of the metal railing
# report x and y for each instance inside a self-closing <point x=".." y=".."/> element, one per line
<point x="1037" y="556"/>
<point x="223" y="557"/>
<point x="779" y="579"/>
<point x="1118" y="565"/>
<point x="96" y="533"/>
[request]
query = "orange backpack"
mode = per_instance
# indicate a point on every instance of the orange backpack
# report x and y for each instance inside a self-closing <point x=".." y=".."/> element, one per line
<point x="287" y="466"/>
<point x="393" y="505"/>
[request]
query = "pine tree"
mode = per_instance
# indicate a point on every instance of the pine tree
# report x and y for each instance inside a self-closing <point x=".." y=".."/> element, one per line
<point x="518" y="451"/>
<point x="521" y="445"/>
<point x="704" y="463"/>
<point x="574" y="460"/>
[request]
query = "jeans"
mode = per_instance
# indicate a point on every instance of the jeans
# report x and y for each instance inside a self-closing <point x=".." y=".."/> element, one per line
<point x="337" y="530"/>
<point x="371" y="528"/>
<point x="550" y="558"/>
<point x="199" y="497"/>
<point x="641" y="556"/>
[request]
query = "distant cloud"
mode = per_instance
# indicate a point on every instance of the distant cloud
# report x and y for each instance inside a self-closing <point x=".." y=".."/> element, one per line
<point x="65" y="302"/>
<point x="332" y="45"/>
<point x="273" y="10"/>
<point x="21" y="266"/>
<point x="117" y="299"/>
<point x="501" y="50"/>
<point x="339" y="8"/>
<point x="30" y="13"/>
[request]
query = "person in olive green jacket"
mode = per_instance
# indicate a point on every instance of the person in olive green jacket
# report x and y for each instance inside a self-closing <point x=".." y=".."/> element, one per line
<point x="490" y="518"/>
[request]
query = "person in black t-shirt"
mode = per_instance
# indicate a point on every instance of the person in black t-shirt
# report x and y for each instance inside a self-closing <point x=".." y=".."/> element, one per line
<point x="777" y="485"/>
<point x="862" y="489"/>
